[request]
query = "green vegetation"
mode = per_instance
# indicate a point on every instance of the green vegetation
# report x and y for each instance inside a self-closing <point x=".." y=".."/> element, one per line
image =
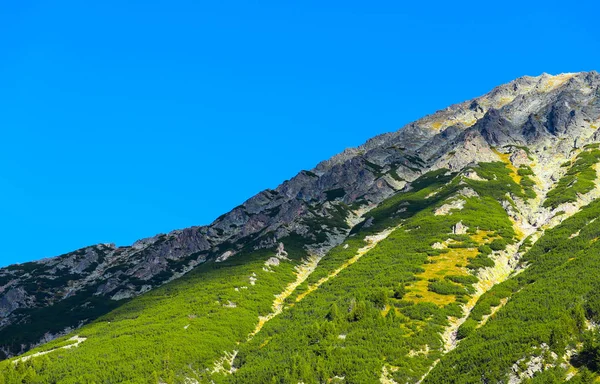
<point x="500" y="180"/>
<point x="56" y="318"/>
<point x="376" y="169"/>
<point x="34" y="323"/>
<point x="361" y="337"/>
<point x="384" y="302"/>
<point x="446" y="288"/>
<point x="549" y="304"/>
<point x="462" y="279"/>
<point x="174" y="331"/>
<point x="579" y="179"/>
<point x="482" y="260"/>
<point x="355" y="313"/>
<point x="395" y="175"/>
<point x="333" y="194"/>
<point x="466" y="329"/>
<point x="526" y="149"/>
<point x="527" y="182"/>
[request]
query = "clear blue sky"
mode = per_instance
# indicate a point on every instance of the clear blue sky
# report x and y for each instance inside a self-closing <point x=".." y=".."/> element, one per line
<point x="123" y="119"/>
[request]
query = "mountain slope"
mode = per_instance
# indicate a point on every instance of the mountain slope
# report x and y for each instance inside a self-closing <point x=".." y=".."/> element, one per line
<point x="400" y="261"/>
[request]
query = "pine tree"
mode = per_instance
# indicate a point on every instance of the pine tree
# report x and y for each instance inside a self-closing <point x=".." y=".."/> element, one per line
<point x="334" y="313"/>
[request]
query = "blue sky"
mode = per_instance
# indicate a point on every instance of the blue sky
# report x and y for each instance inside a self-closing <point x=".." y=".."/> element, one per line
<point x="120" y="120"/>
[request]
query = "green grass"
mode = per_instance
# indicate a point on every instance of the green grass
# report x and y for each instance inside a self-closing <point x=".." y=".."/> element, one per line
<point x="180" y="330"/>
<point x="303" y="344"/>
<point x="446" y="288"/>
<point x="146" y="339"/>
<point x="579" y="179"/>
<point x="548" y="304"/>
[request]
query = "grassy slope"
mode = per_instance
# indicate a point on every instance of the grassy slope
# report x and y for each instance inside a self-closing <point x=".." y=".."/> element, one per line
<point x="578" y="180"/>
<point x="361" y="303"/>
<point x="547" y="304"/>
<point x="147" y="340"/>
<point x="34" y="323"/>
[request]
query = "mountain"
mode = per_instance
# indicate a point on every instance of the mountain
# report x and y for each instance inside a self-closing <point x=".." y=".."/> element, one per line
<point x="459" y="249"/>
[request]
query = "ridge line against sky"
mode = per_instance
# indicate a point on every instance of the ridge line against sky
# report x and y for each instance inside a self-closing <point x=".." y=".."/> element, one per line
<point x="121" y="121"/>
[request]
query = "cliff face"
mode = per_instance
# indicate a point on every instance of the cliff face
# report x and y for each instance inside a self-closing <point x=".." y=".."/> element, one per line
<point x="550" y="116"/>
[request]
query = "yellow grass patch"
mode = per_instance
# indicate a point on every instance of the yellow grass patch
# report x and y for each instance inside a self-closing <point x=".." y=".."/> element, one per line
<point x="386" y="310"/>
<point x="469" y="123"/>
<point x="505" y="158"/>
<point x="555" y="81"/>
<point x="519" y="234"/>
<point x="503" y="101"/>
<point x="438" y="125"/>
<point x="450" y="263"/>
<point x="412" y="327"/>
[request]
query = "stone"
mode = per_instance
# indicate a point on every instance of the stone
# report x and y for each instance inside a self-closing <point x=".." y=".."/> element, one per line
<point x="459" y="228"/>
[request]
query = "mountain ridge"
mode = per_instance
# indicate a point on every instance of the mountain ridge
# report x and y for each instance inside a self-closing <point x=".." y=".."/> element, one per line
<point x="549" y="118"/>
<point x="210" y="236"/>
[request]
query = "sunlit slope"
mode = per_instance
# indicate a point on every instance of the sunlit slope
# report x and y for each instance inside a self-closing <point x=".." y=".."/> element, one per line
<point x="383" y="301"/>
<point x="170" y="332"/>
<point x="443" y="282"/>
<point x="388" y="313"/>
<point x="551" y="314"/>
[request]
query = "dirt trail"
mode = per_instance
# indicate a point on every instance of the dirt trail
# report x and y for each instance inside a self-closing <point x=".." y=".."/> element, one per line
<point x="386" y="375"/>
<point x="225" y="364"/>
<point x="305" y="269"/>
<point x="78" y="340"/>
<point x="302" y="272"/>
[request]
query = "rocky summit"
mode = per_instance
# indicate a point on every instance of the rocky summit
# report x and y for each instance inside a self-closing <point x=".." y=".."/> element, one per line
<point x="461" y="248"/>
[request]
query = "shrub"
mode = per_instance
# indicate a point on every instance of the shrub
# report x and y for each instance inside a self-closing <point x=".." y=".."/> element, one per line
<point x="466" y="328"/>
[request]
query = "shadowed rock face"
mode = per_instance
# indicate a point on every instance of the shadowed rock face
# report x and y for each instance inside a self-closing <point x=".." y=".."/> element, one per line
<point x="548" y="114"/>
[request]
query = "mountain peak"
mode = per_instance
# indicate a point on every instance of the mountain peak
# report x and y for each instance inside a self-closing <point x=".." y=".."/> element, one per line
<point x="388" y="248"/>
